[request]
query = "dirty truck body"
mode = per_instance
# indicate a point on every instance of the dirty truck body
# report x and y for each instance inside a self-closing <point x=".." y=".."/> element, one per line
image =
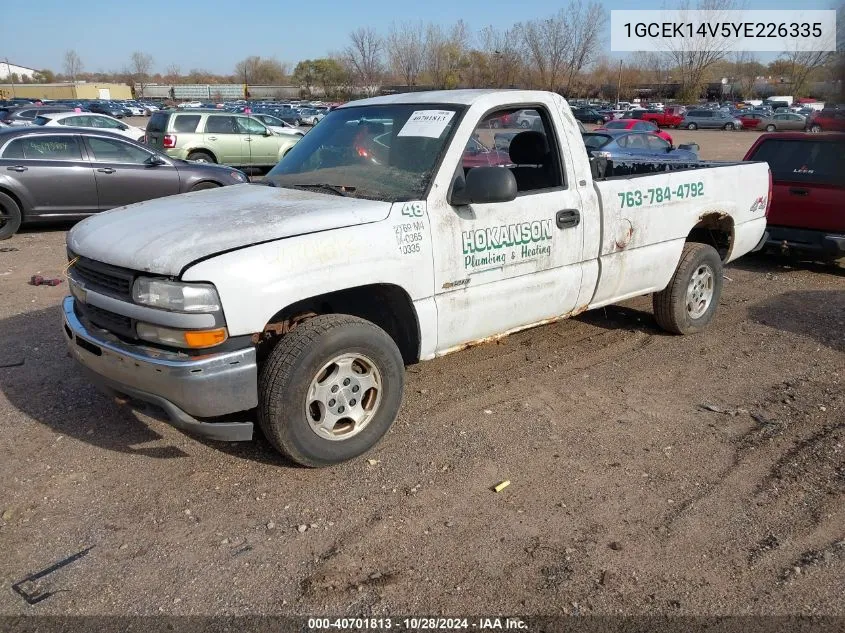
<point x="297" y="303"/>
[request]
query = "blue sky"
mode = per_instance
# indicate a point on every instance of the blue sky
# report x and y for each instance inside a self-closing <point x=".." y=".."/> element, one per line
<point x="214" y="35"/>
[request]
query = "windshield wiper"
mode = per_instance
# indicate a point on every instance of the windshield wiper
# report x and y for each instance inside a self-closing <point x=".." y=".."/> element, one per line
<point x="340" y="190"/>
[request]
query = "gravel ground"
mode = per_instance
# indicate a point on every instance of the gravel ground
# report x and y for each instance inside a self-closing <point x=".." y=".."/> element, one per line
<point x="650" y="474"/>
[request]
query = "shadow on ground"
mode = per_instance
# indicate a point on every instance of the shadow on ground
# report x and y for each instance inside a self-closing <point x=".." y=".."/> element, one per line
<point x="785" y="264"/>
<point x="817" y="314"/>
<point x="50" y="388"/>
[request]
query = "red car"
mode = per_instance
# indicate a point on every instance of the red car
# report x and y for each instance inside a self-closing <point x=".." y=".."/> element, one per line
<point x="477" y="154"/>
<point x="807" y="212"/>
<point x="637" y="126"/>
<point x="827" y="121"/>
<point x="670" y="117"/>
<point x="749" y="121"/>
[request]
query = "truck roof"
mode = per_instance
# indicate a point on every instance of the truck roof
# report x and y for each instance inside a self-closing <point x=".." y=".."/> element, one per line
<point x="457" y="97"/>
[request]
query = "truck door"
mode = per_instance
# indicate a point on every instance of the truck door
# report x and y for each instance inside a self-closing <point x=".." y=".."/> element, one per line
<point x="498" y="267"/>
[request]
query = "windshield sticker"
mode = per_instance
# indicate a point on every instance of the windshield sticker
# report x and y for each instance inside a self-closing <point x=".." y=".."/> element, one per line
<point x="511" y="243"/>
<point x="427" y="123"/>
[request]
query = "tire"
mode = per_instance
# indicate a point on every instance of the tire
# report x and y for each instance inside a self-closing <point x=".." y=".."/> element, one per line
<point x="770" y="128"/>
<point x="729" y="126"/>
<point x="201" y="186"/>
<point x="672" y="309"/>
<point x="815" y="128"/>
<point x="293" y="370"/>
<point x="10" y="217"/>
<point x="495" y="124"/>
<point x="692" y="126"/>
<point x="524" y="125"/>
<point x="201" y="157"/>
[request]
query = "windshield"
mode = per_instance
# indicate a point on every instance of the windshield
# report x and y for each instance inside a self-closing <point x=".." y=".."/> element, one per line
<point x="616" y="125"/>
<point x="595" y="141"/>
<point x="380" y="152"/>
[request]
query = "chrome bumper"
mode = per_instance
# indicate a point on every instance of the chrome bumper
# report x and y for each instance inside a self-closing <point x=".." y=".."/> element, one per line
<point x="185" y="387"/>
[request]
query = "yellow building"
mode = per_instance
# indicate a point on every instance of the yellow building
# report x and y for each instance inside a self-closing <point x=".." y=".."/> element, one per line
<point x="65" y="91"/>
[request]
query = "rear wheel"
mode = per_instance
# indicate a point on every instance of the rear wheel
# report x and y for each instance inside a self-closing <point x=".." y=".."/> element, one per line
<point x="330" y="389"/>
<point x="729" y="126"/>
<point x="770" y="128"/>
<point x="10" y="217"/>
<point x="816" y="128"/>
<point x="690" y="300"/>
<point x="692" y="126"/>
<point x="524" y="124"/>
<point x="201" y="157"/>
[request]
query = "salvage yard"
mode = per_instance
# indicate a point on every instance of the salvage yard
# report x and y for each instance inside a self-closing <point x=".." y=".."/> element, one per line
<point x="650" y="473"/>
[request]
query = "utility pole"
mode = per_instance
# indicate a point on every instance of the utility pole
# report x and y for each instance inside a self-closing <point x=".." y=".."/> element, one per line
<point x="9" y="71"/>
<point x="619" y="84"/>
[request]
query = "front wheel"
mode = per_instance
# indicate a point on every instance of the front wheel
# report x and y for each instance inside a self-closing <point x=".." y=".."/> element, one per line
<point x="10" y="217"/>
<point x="201" y="157"/>
<point x="692" y="126"/>
<point x="524" y="124"/>
<point x="815" y="128"/>
<point x="770" y="128"/>
<point x="690" y="300"/>
<point x="330" y="390"/>
<point x="729" y="126"/>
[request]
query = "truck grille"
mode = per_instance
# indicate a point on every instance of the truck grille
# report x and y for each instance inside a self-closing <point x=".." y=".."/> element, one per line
<point x="109" y="279"/>
<point x="115" y="323"/>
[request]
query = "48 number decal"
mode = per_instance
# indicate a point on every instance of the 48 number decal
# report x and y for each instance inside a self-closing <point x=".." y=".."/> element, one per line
<point x="659" y="195"/>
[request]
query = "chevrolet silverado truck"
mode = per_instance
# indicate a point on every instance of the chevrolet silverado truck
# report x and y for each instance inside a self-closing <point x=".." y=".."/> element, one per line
<point x="298" y="301"/>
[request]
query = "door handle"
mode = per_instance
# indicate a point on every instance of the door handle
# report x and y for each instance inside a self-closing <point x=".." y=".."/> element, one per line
<point x="17" y="168"/>
<point x="107" y="170"/>
<point x="248" y="140"/>
<point x="212" y="138"/>
<point x="797" y="191"/>
<point x="568" y="218"/>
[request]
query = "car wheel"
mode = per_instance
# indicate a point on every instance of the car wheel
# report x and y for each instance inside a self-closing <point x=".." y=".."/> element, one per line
<point x="495" y="124"/>
<point x="729" y="126"/>
<point x="692" y="126"/>
<point x="524" y="125"/>
<point x="690" y="300"/>
<point x="201" y="157"/>
<point x="816" y="128"/>
<point x="330" y="389"/>
<point x="770" y="128"/>
<point x="10" y="217"/>
<point x="200" y="186"/>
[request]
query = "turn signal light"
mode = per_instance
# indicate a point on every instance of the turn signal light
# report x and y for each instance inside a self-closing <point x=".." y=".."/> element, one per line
<point x="205" y="338"/>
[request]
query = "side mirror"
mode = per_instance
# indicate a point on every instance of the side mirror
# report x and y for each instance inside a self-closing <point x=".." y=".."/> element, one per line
<point x="483" y="185"/>
<point x="123" y="128"/>
<point x="267" y="132"/>
<point x="155" y="161"/>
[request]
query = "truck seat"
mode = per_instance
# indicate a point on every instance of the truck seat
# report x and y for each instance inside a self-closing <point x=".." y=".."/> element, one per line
<point x="530" y="152"/>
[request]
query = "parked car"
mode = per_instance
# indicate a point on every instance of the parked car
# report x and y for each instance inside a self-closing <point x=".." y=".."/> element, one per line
<point x="215" y="136"/>
<point x="348" y="269"/>
<point x="710" y="119"/>
<point x="828" y="120"/>
<point x="477" y="154"/>
<point x="667" y="117"/>
<point x="277" y="125"/>
<point x="51" y="174"/>
<point x="807" y="213"/>
<point x="782" y="121"/>
<point x="636" y="126"/>
<point x="589" y="115"/>
<point x="25" y="115"/>
<point x="310" y="116"/>
<point x="190" y="104"/>
<point x="135" y="109"/>
<point x="527" y="119"/>
<point x="621" y="144"/>
<point x="90" y="120"/>
<point x="107" y="107"/>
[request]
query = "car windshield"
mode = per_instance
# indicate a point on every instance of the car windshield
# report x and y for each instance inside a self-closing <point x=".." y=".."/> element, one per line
<point x="595" y="141"/>
<point x="379" y="152"/>
<point x="616" y="125"/>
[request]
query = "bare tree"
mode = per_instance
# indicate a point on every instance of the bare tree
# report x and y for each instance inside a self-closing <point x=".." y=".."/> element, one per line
<point x="746" y="70"/>
<point x="504" y="56"/>
<point x="72" y="64"/>
<point x="445" y="53"/>
<point x="547" y="43"/>
<point x="802" y="64"/>
<point x="585" y="24"/>
<point x="406" y="51"/>
<point x="694" y="56"/>
<point x="140" y="65"/>
<point x="173" y="72"/>
<point x="365" y="57"/>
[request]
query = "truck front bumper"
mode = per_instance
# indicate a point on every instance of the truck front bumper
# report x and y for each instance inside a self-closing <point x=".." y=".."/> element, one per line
<point x="186" y="388"/>
<point x="819" y="243"/>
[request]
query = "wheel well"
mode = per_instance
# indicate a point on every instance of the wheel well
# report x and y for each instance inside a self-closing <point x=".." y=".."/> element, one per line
<point x="715" y="229"/>
<point x="386" y="305"/>
<point x="16" y="198"/>
<point x="202" y="150"/>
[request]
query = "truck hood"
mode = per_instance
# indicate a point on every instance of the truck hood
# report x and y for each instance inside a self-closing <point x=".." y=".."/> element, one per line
<point x="167" y="234"/>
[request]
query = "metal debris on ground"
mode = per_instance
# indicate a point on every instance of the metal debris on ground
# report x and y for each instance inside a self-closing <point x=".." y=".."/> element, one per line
<point x="38" y="280"/>
<point x="36" y="596"/>
<point x="9" y="249"/>
<point x="501" y="486"/>
<point x="14" y="363"/>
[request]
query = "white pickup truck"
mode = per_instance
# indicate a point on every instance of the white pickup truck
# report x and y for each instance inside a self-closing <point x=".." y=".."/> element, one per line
<point x="392" y="233"/>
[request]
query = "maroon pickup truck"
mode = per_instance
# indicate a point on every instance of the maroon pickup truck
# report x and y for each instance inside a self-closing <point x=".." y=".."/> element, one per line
<point x="807" y="212"/>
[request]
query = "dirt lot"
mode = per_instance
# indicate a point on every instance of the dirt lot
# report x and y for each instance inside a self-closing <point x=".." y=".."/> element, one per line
<point x="651" y="474"/>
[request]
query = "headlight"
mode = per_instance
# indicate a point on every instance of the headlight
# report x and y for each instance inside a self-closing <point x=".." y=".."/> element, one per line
<point x="239" y="176"/>
<point x="174" y="295"/>
<point x="193" y="339"/>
